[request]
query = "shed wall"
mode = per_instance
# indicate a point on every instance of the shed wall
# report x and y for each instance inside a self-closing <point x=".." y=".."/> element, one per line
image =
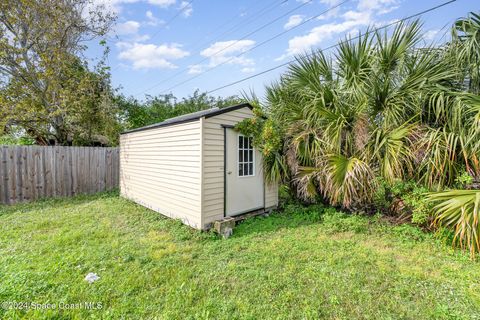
<point x="160" y="169"/>
<point x="271" y="195"/>
<point x="213" y="165"/>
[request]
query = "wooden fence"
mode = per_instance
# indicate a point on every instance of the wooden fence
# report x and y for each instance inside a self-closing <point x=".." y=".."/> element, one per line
<point x="32" y="172"/>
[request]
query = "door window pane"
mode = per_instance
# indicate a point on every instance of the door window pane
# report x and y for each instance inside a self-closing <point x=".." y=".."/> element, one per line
<point x="246" y="161"/>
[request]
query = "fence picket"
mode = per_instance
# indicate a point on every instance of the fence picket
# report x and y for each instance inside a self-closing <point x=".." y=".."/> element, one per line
<point x="28" y="173"/>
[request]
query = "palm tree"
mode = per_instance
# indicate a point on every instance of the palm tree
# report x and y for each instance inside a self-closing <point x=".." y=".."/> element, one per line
<point x="466" y="45"/>
<point x="378" y="108"/>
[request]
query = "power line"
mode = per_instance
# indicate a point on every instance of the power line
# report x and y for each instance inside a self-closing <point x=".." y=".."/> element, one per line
<point x="264" y="10"/>
<point x="179" y="12"/>
<point x="241" y="23"/>
<point x="332" y="46"/>
<point x="232" y="44"/>
<point x="256" y="46"/>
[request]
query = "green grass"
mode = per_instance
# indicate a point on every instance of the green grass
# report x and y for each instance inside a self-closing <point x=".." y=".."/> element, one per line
<point x="305" y="263"/>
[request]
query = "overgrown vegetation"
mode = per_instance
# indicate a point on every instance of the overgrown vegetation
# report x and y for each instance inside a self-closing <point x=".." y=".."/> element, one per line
<point x="307" y="262"/>
<point x="382" y="116"/>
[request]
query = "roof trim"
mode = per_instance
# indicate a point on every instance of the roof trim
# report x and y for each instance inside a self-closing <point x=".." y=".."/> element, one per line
<point x="184" y="118"/>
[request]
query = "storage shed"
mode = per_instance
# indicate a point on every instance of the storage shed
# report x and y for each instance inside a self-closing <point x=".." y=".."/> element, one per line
<point x="195" y="167"/>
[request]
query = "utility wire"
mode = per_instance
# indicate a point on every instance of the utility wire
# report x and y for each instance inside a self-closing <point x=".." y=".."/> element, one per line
<point x="241" y="23"/>
<point x="179" y="12"/>
<point x="264" y="10"/>
<point x="256" y="46"/>
<point x="232" y="44"/>
<point x="333" y="46"/>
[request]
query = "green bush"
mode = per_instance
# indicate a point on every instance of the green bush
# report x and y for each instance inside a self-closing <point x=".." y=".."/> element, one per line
<point x="404" y="199"/>
<point x="464" y="179"/>
<point x="12" y="140"/>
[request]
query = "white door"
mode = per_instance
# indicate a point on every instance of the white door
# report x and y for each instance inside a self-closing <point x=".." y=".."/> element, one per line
<point x="244" y="175"/>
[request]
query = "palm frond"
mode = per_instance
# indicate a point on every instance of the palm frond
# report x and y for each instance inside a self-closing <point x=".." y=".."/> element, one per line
<point x="391" y="149"/>
<point x="460" y="211"/>
<point x="347" y="181"/>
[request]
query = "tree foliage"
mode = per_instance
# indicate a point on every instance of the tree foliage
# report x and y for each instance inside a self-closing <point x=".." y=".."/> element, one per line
<point x="134" y="113"/>
<point x="47" y="88"/>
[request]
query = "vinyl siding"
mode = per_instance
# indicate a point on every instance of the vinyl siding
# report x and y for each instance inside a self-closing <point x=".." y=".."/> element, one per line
<point x="271" y="195"/>
<point x="213" y="166"/>
<point x="160" y="169"/>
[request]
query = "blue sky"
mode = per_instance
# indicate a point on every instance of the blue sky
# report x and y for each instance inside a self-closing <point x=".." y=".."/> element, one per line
<point x="158" y="44"/>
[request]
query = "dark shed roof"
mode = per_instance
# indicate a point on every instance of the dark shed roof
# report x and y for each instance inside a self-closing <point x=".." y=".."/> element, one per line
<point x="192" y="117"/>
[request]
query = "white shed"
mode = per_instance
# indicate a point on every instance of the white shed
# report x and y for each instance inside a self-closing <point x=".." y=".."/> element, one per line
<point x="195" y="167"/>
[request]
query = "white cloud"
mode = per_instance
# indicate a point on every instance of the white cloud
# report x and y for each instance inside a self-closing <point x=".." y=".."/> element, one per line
<point x="195" y="69"/>
<point x="430" y="35"/>
<point x="349" y="24"/>
<point x="353" y="33"/>
<point x="127" y="28"/>
<point x="330" y="14"/>
<point x="152" y="20"/>
<point x="317" y="35"/>
<point x="162" y="3"/>
<point x="149" y="15"/>
<point x="114" y="6"/>
<point x="148" y="56"/>
<point x="128" y="31"/>
<point x="376" y="5"/>
<point x="223" y="51"/>
<point x="141" y="38"/>
<point x="248" y="70"/>
<point x="293" y="21"/>
<point x="187" y="8"/>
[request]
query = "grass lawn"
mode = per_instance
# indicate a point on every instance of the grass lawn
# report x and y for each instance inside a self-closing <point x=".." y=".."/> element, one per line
<point x="304" y="263"/>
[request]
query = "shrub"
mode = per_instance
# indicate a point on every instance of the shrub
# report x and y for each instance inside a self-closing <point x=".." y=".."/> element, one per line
<point x="406" y="201"/>
<point x="464" y="179"/>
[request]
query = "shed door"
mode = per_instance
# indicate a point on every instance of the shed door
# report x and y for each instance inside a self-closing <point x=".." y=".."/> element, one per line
<point x="244" y="175"/>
